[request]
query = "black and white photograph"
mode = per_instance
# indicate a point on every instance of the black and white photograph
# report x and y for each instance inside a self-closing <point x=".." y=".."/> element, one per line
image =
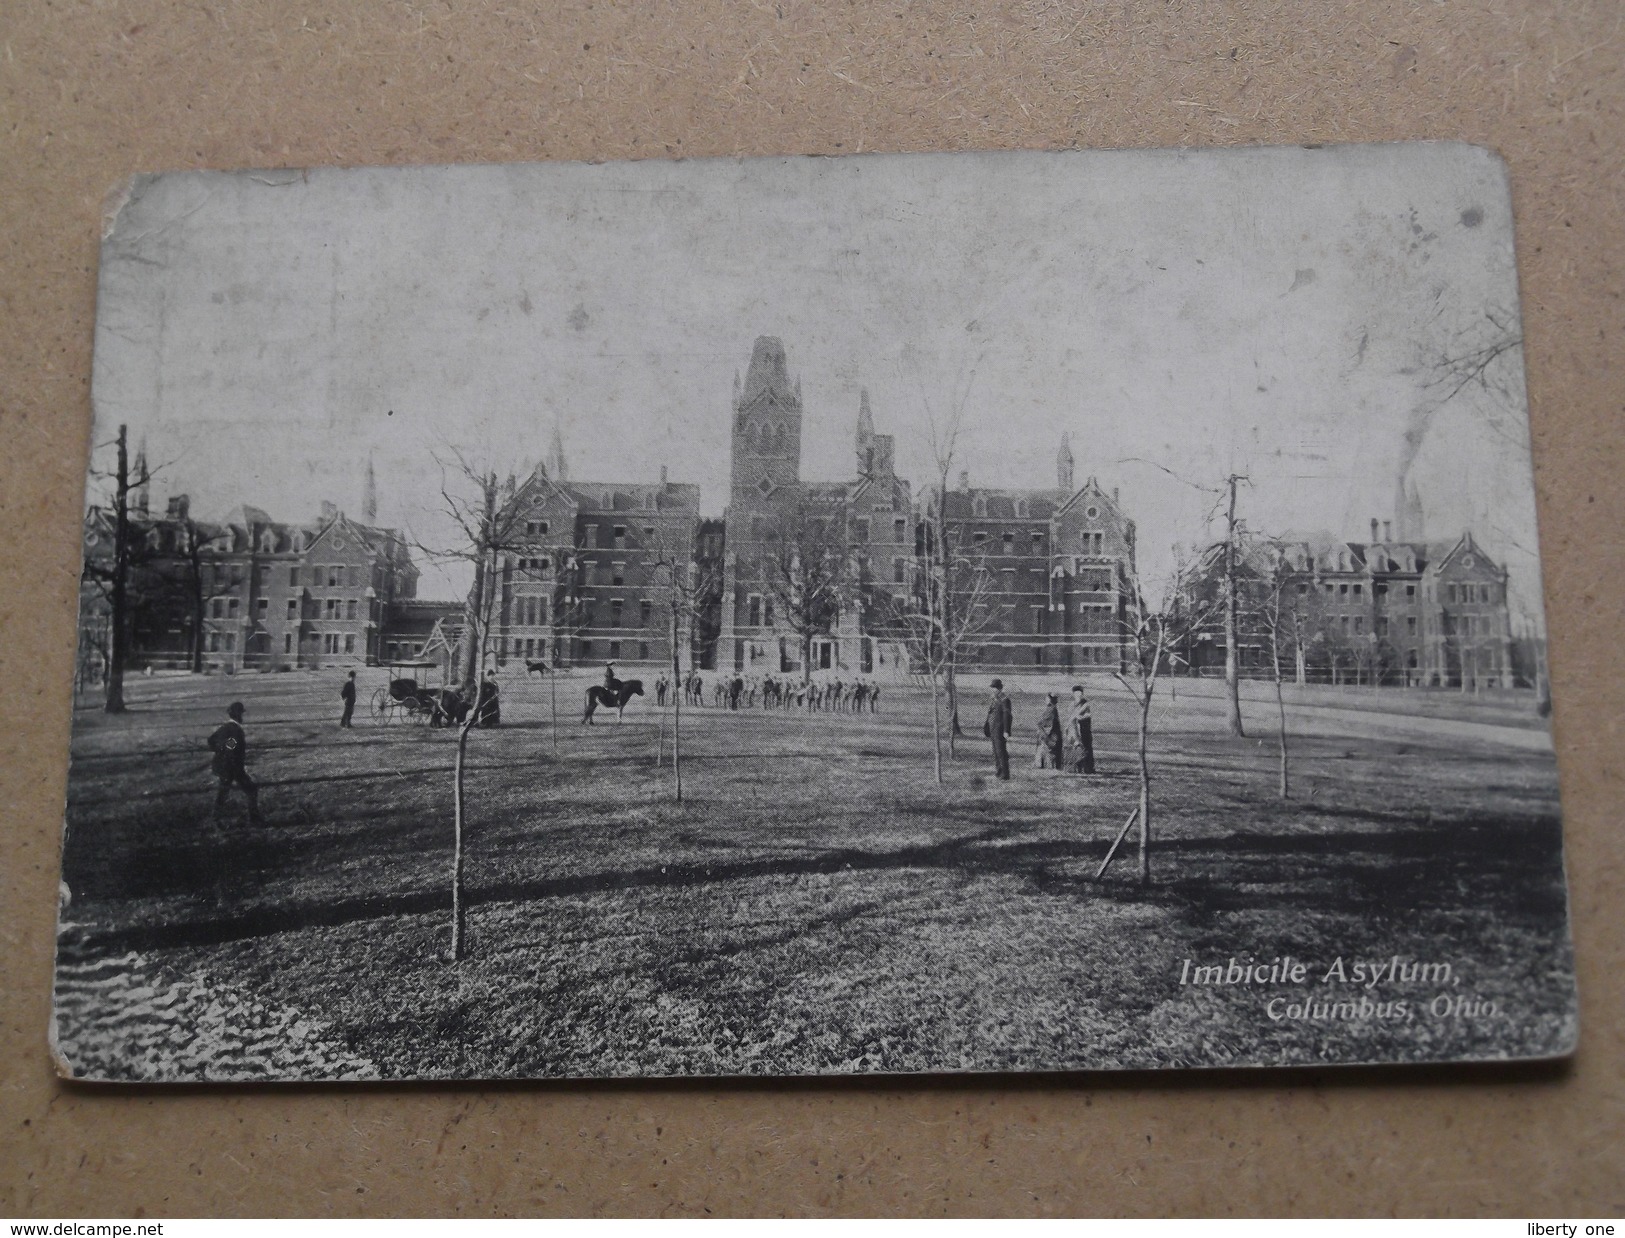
<point x="880" y="614"/>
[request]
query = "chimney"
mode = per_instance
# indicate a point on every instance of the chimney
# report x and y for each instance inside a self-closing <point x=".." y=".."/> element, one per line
<point x="662" y="474"/>
<point x="179" y="506"/>
<point x="1387" y="531"/>
<point x="1373" y="530"/>
<point x="330" y="512"/>
<point x="1114" y="495"/>
<point x="964" y="479"/>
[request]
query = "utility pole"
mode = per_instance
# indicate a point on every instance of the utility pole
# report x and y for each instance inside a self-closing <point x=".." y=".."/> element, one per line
<point x="1232" y="687"/>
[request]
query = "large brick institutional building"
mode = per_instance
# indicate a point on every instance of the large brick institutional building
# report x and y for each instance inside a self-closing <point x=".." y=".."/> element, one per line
<point x="246" y="592"/>
<point x="1383" y="611"/>
<point x="600" y="571"/>
<point x="1056" y="560"/>
<point x="797" y="575"/>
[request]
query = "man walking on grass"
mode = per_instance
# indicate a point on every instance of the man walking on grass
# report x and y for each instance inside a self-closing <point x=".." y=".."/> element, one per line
<point x="229" y="744"/>
<point x="1000" y="719"/>
<point x="347" y="695"/>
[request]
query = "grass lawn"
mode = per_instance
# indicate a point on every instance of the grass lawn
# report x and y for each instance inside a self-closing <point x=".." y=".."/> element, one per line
<point x="817" y="902"/>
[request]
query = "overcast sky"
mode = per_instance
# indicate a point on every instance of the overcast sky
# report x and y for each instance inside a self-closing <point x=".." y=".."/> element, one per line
<point x="1278" y="312"/>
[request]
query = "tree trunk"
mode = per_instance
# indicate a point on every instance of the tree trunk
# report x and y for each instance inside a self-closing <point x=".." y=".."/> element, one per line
<point x="119" y="621"/>
<point x="1232" y="686"/>
<point x="676" y="713"/>
<point x="1280" y="708"/>
<point x="936" y="724"/>
<point x="1145" y="785"/>
<point x="473" y="629"/>
<point x="458" y="821"/>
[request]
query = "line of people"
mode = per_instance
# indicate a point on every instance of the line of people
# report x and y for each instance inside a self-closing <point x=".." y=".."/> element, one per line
<point x="747" y="691"/>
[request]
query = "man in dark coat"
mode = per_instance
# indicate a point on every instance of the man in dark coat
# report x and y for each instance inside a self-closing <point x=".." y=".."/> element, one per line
<point x="487" y="704"/>
<point x="1000" y="719"/>
<point x="347" y="695"/>
<point x="1082" y="726"/>
<point x="229" y="743"/>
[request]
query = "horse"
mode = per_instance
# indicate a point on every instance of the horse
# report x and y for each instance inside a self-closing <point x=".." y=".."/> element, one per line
<point x="538" y="667"/>
<point x="625" y="690"/>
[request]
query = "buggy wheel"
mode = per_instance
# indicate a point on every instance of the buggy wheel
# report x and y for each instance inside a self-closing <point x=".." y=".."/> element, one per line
<point x="382" y="706"/>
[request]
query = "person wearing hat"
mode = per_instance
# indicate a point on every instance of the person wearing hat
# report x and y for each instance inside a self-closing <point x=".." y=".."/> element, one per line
<point x="229" y="743"/>
<point x="1000" y="719"/>
<point x="347" y="695"/>
<point x="1081" y="727"/>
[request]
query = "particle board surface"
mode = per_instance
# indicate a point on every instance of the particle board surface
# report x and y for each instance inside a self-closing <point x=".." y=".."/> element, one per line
<point x="90" y="94"/>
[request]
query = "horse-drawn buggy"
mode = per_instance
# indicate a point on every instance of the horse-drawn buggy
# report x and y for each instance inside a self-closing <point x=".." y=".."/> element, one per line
<point x="410" y="698"/>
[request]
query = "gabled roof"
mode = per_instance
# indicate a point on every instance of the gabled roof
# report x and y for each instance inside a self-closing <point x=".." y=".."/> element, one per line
<point x="1465" y="545"/>
<point x="1000" y="503"/>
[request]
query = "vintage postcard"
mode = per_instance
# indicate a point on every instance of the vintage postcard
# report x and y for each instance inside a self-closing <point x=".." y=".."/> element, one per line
<point x="984" y="612"/>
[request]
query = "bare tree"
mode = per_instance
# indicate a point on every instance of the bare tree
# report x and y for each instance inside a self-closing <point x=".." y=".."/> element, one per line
<point x="691" y="585"/>
<point x="1153" y="631"/>
<point x="1231" y="559"/>
<point x="112" y="575"/>
<point x="488" y="527"/>
<point x="943" y="429"/>
<point x="807" y="570"/>
<point x="1232" y="684"/>
<point x="1281" y="613"/>
<point x="947" y="615"/>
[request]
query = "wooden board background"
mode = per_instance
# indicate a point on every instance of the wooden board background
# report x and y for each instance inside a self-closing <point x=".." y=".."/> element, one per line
<point x="92" y="91"/>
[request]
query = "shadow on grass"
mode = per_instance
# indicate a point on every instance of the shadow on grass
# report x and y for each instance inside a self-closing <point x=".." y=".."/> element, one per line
<point x="1334" y="873"/>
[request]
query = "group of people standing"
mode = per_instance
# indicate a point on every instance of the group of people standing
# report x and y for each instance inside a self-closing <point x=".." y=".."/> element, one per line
<point x="745" y="692"/>
<point x="1055" y="734"/>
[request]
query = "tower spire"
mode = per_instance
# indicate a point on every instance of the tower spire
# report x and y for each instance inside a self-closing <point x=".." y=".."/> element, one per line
<point x="369" y="495"/>
<point x="866" y="435"/>
<point x="556" y="467"/>
<point x="1063" y="464"/>
<point x="143" y="493"/>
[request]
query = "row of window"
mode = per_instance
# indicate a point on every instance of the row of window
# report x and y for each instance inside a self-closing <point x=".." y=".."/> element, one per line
<point x="535" y="646"/>
<point x="332" y="642"/>
<point x="1470" y="593"/>
<point x="331" y="608"/>
<point x="860" y="530"/>
<point x="329" y="576"/>
<point x="1454" y="593"/>
<point x="1354" y="590"/>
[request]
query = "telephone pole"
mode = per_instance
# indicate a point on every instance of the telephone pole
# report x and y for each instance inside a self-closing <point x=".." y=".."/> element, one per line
<point x="1232" y="686"/>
